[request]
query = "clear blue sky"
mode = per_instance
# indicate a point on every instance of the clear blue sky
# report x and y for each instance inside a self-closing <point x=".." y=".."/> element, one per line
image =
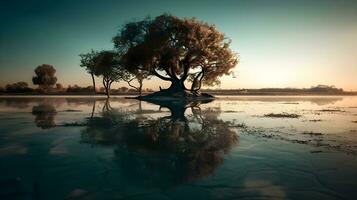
<point x="281" y="43"/>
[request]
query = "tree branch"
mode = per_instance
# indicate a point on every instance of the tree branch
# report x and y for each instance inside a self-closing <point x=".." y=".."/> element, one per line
<point x="129" y="83"/>
<point x="154" y="72"/>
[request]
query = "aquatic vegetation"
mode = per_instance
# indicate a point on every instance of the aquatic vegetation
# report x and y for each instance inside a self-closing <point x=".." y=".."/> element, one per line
<point x="282" y="115"/>
<point x="331" y="110"/>
<point x="311" y="133"/>
<point x="70" y="110"/>
<point x="69" y="124"/>
<point x="315" y="120"/>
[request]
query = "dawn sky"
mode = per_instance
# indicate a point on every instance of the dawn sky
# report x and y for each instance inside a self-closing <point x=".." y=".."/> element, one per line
<point x="280" y="43"/>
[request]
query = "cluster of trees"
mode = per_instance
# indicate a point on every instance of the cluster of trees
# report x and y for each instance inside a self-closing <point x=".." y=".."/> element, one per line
<point x="177" y="50"/>
<point x="78" y="89"/>
<point x="185" y="52"/>
<point x="44" y="77"/>
<point x="18" y="87"/>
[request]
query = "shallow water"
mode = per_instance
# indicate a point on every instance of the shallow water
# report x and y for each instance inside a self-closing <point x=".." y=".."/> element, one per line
<point x="231" y="148"/>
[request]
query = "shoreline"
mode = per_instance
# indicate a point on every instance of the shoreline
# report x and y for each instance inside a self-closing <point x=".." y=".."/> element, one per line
<point x="135" y="95"/>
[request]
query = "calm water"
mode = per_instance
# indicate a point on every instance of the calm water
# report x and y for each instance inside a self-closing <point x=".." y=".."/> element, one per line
<point x="231" y="148"/>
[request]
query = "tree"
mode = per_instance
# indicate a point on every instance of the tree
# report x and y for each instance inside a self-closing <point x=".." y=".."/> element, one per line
<point x="123" y="89"/>
<point x="18" y="87"/>
<point x="140" y="76"/>
<point x="45" y="76"/>
<point x="108" y="66"/>
<point x="59" y="87"/>
<point x="87" y="62"/>
<point x="176" y="50"/>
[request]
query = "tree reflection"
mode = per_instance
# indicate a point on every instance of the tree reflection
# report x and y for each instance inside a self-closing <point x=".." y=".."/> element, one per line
<point x="166" y="150"/>
<point x="45" y="115"/>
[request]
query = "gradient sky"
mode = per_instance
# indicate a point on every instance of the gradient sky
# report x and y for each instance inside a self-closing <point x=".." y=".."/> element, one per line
<point x="280" y="43"/>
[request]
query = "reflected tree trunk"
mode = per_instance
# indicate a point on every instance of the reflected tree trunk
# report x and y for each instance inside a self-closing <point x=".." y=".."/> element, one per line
<point x="93" y="109"/>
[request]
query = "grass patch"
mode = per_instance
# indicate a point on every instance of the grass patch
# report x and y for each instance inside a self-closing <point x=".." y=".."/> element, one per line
<point x="241" y="125"/>
<point x="331" y="110"/>
<point x="71" y="110"/>
<point x="73" y="124"/>
<point x="315" y="120"/>
<point x="282" y="115"/>
<point x="311" y="133"/>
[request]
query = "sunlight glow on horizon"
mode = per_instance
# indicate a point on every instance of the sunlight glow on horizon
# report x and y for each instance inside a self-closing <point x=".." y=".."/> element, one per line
<point x="299" y="44"/>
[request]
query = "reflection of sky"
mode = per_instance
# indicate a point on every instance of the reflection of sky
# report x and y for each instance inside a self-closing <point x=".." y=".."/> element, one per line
<point x="258" y="167"/>
<point x="281" y="43"/>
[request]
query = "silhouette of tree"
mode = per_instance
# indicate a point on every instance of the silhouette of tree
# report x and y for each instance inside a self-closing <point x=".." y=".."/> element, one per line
<point x="18" y="87"/>
<point x="175" y="50"/>
<point x="139" y="76"/>
<point x="59" y="87"/>
<point x="87" y="62"/>
<point x="45" y="77"/>
<point x="77" y="89"/>
<point x="108" y="66"/>
<point x="123" y="89"/>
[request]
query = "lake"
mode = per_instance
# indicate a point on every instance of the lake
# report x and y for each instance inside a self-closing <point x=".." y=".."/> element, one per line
<point x="238" y="147"/>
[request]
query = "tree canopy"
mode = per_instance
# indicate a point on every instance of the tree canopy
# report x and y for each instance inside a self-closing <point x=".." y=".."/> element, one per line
<point x="108" y="66"/>
<point x="176" y="50"/>
<point x="88" y="62"/>
<point x="45" y="76"/>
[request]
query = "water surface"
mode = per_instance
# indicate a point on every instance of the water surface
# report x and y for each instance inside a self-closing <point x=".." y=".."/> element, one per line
<point x="231" y="148"/>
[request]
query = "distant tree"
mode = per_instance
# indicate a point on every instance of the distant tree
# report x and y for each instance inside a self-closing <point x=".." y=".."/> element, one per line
<point x="101" y="89"/>
<point x="326" y="88"/>
<point x="59" y="87"/>
<point x="88" y="62"/>
<point x="139" y="76"/>
<point x="2" y="89"/>
<point x="108" y="67"/>
<point x="131" y="90"/>
<point x="78" y="89"/>
<point x="123" y="89"/>
<point x="18" y="87"/>
<point x="176" y="50"/>
<point x="45" y="77"/>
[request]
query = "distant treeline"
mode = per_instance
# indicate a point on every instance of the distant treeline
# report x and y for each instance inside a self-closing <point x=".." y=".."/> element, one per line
<point x="23" y="88"/>
<point x="316" y="90"/>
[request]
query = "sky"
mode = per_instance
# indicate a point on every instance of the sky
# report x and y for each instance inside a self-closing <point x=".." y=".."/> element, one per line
<point x="280" y="43"/>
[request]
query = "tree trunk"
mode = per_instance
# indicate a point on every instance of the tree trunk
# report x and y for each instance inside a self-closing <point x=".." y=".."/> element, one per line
<point x="140" y="86"/>
<point x="93" y="80"/>
<point x="106" y="85"/>
<point x="107" y="90"/>
<point x="177" y="86"/>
